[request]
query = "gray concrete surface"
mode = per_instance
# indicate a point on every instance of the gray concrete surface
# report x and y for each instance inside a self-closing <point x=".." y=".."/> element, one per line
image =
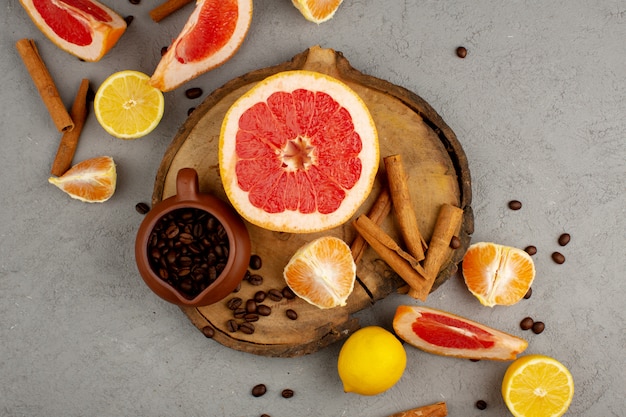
<point x="539" y="105"/>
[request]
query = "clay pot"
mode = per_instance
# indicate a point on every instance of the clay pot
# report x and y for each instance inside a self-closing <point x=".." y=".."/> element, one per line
<point x="188" y="196"/>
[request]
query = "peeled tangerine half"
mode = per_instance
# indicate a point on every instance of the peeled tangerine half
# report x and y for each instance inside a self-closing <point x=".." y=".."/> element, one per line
<point x="213" y="33"/>
<point x="322" y="272"/>
<point x="85" y="28"/>
<point x="497" y="274"/>
<point x="443" y="333"/>
<point x="91" y="181"/>
<point x="298" y="152"/>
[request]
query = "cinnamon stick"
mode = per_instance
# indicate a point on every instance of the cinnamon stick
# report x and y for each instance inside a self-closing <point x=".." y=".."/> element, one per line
<point x="380" y="209"/>
<point x="44" y="84"/>
<point x="403" y="207"/>
<point x="165" y="9"/>
<point x="69" y="141"/>
<point x="433" y="410"/>
<point x="448" y="224"/>
<point x="401" y="262"/>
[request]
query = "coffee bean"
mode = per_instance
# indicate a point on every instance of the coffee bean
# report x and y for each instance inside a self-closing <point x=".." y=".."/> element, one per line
<point x="481" y="404"/>
<point x="526" y="323"/>
<point x="264" y="310"/>
<point x="275" y="295"/>
<point x="558" y="257"/>
<point x="193" y="93"/>
<point x="564" y="239"/>
<point x="287" y="393"/>
<point x="234" y="303"/>
<point x="208" y="331"/>
<point x="515" y="205"/>
<point x="474" y="360"/>
<point x="259" y="390"/>
<point x="291" y="314"/>
<point x="255" y="262"/>
<point x="250" y="306"/>
<point x="259" y="296"/>
<point x="129" y="20"/>
<point x="134" y="1"/>
<point x="265" y="415"/>
<point x="255" y="279"/>
<point x="142" y="208"/>
<point x="190" y="110"/>
<point x="528" y="294"/>
<point x="288" y="293"/>
<point x="164" y="50"/>
<point x="176" y="251"/>
<point x="461" y="52"/>
<point x="239" y="313"/>
<point x="251" y="317"/>
<point x="455" y="242"/>
<point x="538" y="327"/>
<point x="232" y="326"/>
<point x="531" y="250"/>
<point x="247" y="328"/>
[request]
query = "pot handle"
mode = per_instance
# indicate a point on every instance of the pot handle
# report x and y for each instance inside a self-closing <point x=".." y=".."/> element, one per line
<point x="187" y="184"/>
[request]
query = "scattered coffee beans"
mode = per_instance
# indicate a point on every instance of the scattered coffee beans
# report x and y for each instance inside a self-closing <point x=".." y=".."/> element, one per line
<point x="528" y="294"/>
<point x="190" y="110"/>
<point x="247" y="328"/>
<point x="188" y="248"/>
<point x="129" y="20"/>
<point x="193" y="93"/>
<point x="515" y="205"/>
<point x="255" y="262"/>
<point x="142" y="208"/>
<point x="265" y="415"/>
<point x="287" y="393"/>
<point x="275" y="295"/>
<point x="455" y="242"/>
<point x="259" y="296"/>
<point x="208" y="331"/>
<point x="134" y="1"/>
<point x="558" y="257"/>
<point x="232" y="326"/>
<point x="538" y="327"/>
<point x="564" y="239"/>
<point x="526" y="323"/>
<point x="255" y="279"/>
<point x="164" y="50"/>
<point x="259" y="390"/>
<point x="264" y="310"/>
<point x="291" y="314"/>
<point x="531" y="250"/>
<point x="250" y="306"/>
<point x="288" y="293"/>
<point x="481" y="404"/>
<point x="234" y="303"/>
<point x="461" y="52"/>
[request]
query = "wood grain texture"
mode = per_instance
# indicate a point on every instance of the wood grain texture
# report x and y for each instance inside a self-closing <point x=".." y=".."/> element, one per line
<point x="437" y="171"/>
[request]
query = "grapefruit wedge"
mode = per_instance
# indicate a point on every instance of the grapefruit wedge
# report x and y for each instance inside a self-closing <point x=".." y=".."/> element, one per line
<point x="443" y="333"/>
<point x="213" y="33"/>
<point x="298" y="152"/>
<point x="85" y="28"/>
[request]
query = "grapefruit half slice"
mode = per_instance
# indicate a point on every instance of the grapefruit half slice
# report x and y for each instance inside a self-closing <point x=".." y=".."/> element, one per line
<point x="443" y="333"/>
<point x="213" y="33"/>
<point x="85" y="28"/>
<point x="298" y="152"/>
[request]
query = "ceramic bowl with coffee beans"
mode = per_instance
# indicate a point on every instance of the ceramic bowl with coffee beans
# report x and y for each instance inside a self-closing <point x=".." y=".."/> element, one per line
<point x="192" y="249"/>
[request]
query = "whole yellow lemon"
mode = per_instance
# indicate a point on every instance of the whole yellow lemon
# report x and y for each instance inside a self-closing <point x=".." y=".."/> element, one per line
<point x="371" y="361"/>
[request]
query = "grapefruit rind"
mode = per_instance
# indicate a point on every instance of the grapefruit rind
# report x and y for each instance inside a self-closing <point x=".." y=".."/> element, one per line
<point x="493" y="344"/>
<point x="322" y="272"/>
<point x="293" y="221"/>
<point x="104" y="34"/>
<point x="170" y="73"/>
<point x="493" y="276"/>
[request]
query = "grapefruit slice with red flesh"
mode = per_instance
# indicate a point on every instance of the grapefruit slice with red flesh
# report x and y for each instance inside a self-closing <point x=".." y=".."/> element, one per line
<point x="213" y="33"/>
<point x="298" y="152"/>
<point x="443" y="333"/>
<point x="85" y="28"/>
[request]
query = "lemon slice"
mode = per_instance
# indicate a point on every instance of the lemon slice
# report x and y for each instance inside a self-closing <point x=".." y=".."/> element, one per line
<point x="537" y="385"/>
<point x="126" y="106"/>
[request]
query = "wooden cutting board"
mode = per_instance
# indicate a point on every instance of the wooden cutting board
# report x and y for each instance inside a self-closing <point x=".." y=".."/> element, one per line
<point x="437" y="171"/>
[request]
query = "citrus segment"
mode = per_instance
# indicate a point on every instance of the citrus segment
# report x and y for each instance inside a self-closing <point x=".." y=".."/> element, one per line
<point x="85" y="28"/>
<point x="537" y="386"/>
<point x="322" y="272"/>
<point x="371" y="361"/>
<point x="126" y="106"/>
<point x="497" y="274"/>
<point x="91" y="181"/>
<point x="443" y="333"/>
<point x="317" y="11"/>
<point x="213" y="33"/>
<point x="298" y="152"/>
